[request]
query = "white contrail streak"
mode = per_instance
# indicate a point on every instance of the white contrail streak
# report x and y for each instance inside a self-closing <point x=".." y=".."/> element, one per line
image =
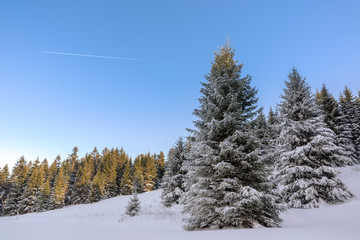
<point x="94" y="56"/>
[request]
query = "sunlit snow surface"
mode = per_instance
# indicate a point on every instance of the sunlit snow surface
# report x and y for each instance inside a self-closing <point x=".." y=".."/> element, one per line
<point x="106" y="220"/>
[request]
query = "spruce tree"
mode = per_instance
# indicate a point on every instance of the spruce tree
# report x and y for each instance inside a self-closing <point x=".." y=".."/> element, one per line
<point x="109" y="173"/>
<point x="308" y="150"/>
<point x="4" y="175"/>
<point x="97" y="188"/>
<point x="58" y="194"/>
<point x="54" y="169"/>
<point x="45" y="196"/>
<point x="357" y="122"/>
<point x="17" y="185"/>
<point x="329" y="106"/>
<point x="122" y="160"/>
<point x="272" y="139"/>
<point x="126" y="184"/>
<point x="263" y="137"/>
<point x="333" y="119"/>
<point x="149" y="172"/>
<point x="138" y="185"/>
<point x="71" y="167"/>
<point x="32" y="195"/>
<point x="4" y="186"/>
<point x="173" y="185"/>
<point x="160" y="168"/>
<point x="82" y="188"/>
<point x="350" y="128"/>
<point x="138" y="179"/>
<point x="133" y="207"/>
<point x="226" y="186"/>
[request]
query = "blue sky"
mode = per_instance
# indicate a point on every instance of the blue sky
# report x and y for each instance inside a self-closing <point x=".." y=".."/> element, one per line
<point x="50" y="103"/>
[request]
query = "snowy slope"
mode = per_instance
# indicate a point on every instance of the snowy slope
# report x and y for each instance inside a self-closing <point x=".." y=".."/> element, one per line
<point x="106" y="220"/>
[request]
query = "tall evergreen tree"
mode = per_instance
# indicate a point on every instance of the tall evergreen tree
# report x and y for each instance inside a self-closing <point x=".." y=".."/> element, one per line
<point x="272" y="139"/>
<point x="149" y="171"/>
<point x="329" y="106"/>
<point x="71" y="165"/>
<point x="333" y="119"/>
<point x="17" y="185"/>
<point x="45" y="196"/>
<point x="138" y="179"/>
<point x="59" y="190"/>
<point x="108" y="168"/>
<point x="4" y="186"/>
<point x="44" y="201"/>
<point x="226" y="183"/>
<point x="82" y="188"/>
<point x="122" y="160"/>
<point x="308" y="150"/>
<point x="126" y="184"/>
<point x="4" y="175"/>
<point x="32" y="195"/>
<point x="160" y="169"/>
<point x="263" y="138"/>
<point x="357" y="122"/>
<point x="173" y="185"/>
<point x="97" y="188"/>
<point x="54" y="169"/>
<point x="350" y="128"/>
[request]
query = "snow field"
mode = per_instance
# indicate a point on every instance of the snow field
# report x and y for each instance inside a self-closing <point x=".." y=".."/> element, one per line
<point x="107" y="220"/>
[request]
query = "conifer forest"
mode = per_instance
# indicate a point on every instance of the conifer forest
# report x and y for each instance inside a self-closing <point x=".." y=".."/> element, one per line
<point x="238" y="167"/>
<point x="40" y="186"/>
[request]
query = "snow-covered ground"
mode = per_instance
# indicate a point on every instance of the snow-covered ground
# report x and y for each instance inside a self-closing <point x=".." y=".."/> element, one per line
<point x="106" y="220"/>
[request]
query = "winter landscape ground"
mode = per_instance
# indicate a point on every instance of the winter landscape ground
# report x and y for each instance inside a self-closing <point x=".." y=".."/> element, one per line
<point x="106" y="220"/>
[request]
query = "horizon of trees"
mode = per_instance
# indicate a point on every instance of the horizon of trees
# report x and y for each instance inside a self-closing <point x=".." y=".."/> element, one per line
<point x="40" y="186"/>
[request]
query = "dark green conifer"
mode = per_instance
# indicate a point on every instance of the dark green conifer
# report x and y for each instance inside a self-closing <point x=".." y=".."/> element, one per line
<point x="226" y="184"/>
<point x="17" y="184"/>
<point x="4" y="186"/>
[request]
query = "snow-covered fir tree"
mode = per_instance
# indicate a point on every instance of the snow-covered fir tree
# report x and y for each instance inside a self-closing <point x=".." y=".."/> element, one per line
<point x="333" y="118"/>
<point x="357" y="122"/>
<point x="17" y="184"/>
<point x="4" y="187"/>
<point x="273" y="132"/>
<point x="173" y="183"/>
<point x="71" y="165"/>
<point x="264" y="137"/>
<point x="133" y="207"/>
<point x="32" y="195"/>
<point x="226" y="185"/>
<point x="350" y="128"/>
<point x="308" y="150"/>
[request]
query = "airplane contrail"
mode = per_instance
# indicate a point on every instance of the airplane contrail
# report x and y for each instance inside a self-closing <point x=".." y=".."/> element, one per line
<point x="94" y="56"/>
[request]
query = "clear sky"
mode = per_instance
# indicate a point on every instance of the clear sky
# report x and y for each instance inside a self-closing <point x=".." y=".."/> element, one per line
<point x="49" y="103"/>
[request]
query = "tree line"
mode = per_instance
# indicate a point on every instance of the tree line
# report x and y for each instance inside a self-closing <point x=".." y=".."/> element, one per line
<point x="37" y="186"/>
<point x="240" y="168"/>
